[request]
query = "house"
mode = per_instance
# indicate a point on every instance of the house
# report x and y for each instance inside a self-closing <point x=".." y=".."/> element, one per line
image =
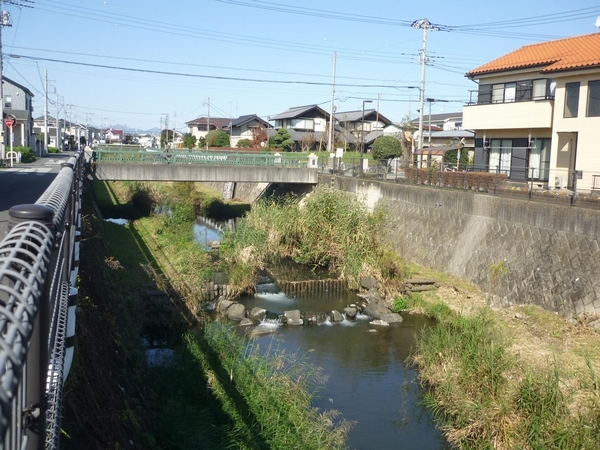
<point x="452" y="121"/>
<point x="306" y="124"/>
<point x="365" y="127"/>
<point x="54" y="130"/>
<point x="113" y="136"/>
<point x="244" y="127"/>
<point x="202" y="125"/>
<point x="17" y="102"/>
<point x="537" y="113"/>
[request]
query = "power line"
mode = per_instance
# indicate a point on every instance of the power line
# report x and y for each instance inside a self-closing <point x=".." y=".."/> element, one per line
<point x="192" y="75"/>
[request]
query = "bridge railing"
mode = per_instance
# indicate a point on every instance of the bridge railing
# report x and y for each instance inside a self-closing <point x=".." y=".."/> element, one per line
<point x="154" y="156"/>
<point x="39" y="260"/>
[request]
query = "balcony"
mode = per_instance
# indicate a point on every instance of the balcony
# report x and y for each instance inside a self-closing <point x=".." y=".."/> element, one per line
<point x="514" y="115"/>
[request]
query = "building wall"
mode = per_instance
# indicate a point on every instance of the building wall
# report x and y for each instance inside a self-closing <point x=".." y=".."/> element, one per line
<point x="18" y="96"/>
<point x="552" y="252"/>
<point x="585" y="132"/>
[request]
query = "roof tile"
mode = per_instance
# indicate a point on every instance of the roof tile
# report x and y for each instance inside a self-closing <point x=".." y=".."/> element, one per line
<point x="564" y="54"/>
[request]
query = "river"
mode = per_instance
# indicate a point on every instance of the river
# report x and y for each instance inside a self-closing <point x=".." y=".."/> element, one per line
<point x="369" y="381"/>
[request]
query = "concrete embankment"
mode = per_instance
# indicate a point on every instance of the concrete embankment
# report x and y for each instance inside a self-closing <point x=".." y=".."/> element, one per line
<point x="549" y="253"/>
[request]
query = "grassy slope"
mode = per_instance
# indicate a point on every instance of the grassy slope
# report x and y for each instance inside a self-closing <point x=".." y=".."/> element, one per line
<point x="548" y="390"/>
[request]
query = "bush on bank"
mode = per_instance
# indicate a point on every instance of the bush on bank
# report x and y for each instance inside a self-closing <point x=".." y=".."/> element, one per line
<point x="327" y="229"/>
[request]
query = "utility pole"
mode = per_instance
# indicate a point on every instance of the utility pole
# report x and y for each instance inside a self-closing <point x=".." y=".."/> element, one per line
<point x="5" y="22"/>
<point x="160" y="135"/>
<point x="167" y="131"/>
<point x="426" y="26"/>
<point x="207" y="123"/>
<point x="332" y="117"/>
<point x="58" y="135"/>
<point x="45" y="146"/>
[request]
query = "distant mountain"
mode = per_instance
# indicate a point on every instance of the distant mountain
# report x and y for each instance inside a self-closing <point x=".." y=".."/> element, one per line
<point x="130" y="130"/>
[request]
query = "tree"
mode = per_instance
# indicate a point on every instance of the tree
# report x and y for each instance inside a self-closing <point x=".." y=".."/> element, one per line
<point x="386" y="148"/>
<point x="217" y="138"/>
<point x="189" y="140"/>
<point x="166" y="136"/>
<point x="308" y="142"/>
<point x="259" y="135"/>
<point x="282" y="140"/>
<point x="451" y="156"/>
<point x="407" y="140"/>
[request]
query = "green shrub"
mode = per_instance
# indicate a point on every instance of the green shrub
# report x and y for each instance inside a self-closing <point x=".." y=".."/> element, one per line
<point x="53" y="150"/>
<point x="244" y="143"/>
<point x="27" y="154"/>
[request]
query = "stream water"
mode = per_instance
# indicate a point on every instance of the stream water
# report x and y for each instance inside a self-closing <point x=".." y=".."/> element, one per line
<point x="369" y="380"/>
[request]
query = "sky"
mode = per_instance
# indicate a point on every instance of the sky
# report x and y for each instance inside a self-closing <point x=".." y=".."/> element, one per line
<point x="144" y="63"/>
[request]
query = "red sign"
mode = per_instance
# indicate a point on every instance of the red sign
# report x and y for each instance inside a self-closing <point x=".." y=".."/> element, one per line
<point x="9" y="121"/>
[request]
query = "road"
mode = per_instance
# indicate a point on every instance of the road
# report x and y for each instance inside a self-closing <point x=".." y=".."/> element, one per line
<point x="25" y="183"/>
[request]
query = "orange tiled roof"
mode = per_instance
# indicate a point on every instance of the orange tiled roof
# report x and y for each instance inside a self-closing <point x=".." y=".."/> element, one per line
<point x="564" y="54"/>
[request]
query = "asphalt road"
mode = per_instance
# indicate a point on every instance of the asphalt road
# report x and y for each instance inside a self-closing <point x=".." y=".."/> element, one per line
<point x="25" y="183"/>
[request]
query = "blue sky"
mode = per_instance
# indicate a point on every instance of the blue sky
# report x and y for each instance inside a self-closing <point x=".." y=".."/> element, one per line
<point x="132" y="62"/>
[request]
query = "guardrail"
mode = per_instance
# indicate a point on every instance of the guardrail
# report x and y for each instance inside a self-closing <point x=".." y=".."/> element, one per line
<point x="151" y="156"/>
<point x="39" y="262"/>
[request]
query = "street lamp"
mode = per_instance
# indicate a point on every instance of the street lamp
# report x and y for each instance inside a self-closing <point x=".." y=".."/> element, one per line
<point x="362" y="134"/>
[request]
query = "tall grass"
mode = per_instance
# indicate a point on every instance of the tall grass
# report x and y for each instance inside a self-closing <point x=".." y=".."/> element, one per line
<point x="474" y="396"/>
<point x="328" y="228"/>
<point x="264" y="397"/>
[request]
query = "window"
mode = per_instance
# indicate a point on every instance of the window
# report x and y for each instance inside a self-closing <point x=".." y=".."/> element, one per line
<point x="484" y="94"/>
<point x="497" y="93"/>
<point x="524" y="90"/>
<point x="593" y="104"/>
<point x="510" y="91"/>
<point x="500" y="156"/>
<point x="539" y="159"/>
<point x="539" y="89"/>
<point x="8" y="101"/>
<point x="571" y="99"/>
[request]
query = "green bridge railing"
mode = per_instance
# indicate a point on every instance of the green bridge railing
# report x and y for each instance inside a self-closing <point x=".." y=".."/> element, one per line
<point x="157" y="156"/>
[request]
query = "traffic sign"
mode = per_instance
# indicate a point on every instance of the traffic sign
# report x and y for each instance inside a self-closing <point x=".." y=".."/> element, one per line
<point x="10" y="121"/>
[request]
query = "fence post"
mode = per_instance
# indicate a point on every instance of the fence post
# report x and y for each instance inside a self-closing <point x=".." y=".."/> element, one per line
<point x="574" y="194"/>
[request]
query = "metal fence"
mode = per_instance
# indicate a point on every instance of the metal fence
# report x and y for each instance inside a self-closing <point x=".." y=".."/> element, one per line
<point x="156" y="156"/>
<point x="39" y="261"/>
<point x="565" y="186"/>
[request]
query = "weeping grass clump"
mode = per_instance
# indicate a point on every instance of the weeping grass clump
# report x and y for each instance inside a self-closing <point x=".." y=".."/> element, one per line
<point x="327" y="229"/>
<point x="263" y="396"/>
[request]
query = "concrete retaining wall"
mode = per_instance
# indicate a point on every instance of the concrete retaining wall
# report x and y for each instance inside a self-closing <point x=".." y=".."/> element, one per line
<point x="551" y="251"/>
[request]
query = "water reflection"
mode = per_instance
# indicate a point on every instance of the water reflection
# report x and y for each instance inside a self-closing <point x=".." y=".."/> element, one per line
<point x="369" y="381"/>
<point x="117" y="221"/>
<point x="209" y="232"/>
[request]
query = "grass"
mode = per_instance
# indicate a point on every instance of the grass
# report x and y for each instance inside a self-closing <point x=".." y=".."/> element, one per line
<point x="521" y="377"/>
<point x="228" y="394"/>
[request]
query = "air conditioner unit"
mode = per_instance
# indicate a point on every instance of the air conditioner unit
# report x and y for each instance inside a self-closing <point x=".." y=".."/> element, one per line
<point x="560" y="182"/>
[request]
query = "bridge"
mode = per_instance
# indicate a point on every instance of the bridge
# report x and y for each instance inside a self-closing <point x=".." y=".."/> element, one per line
<point x="209" y="166"/>
<point x="39" y="261"/>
